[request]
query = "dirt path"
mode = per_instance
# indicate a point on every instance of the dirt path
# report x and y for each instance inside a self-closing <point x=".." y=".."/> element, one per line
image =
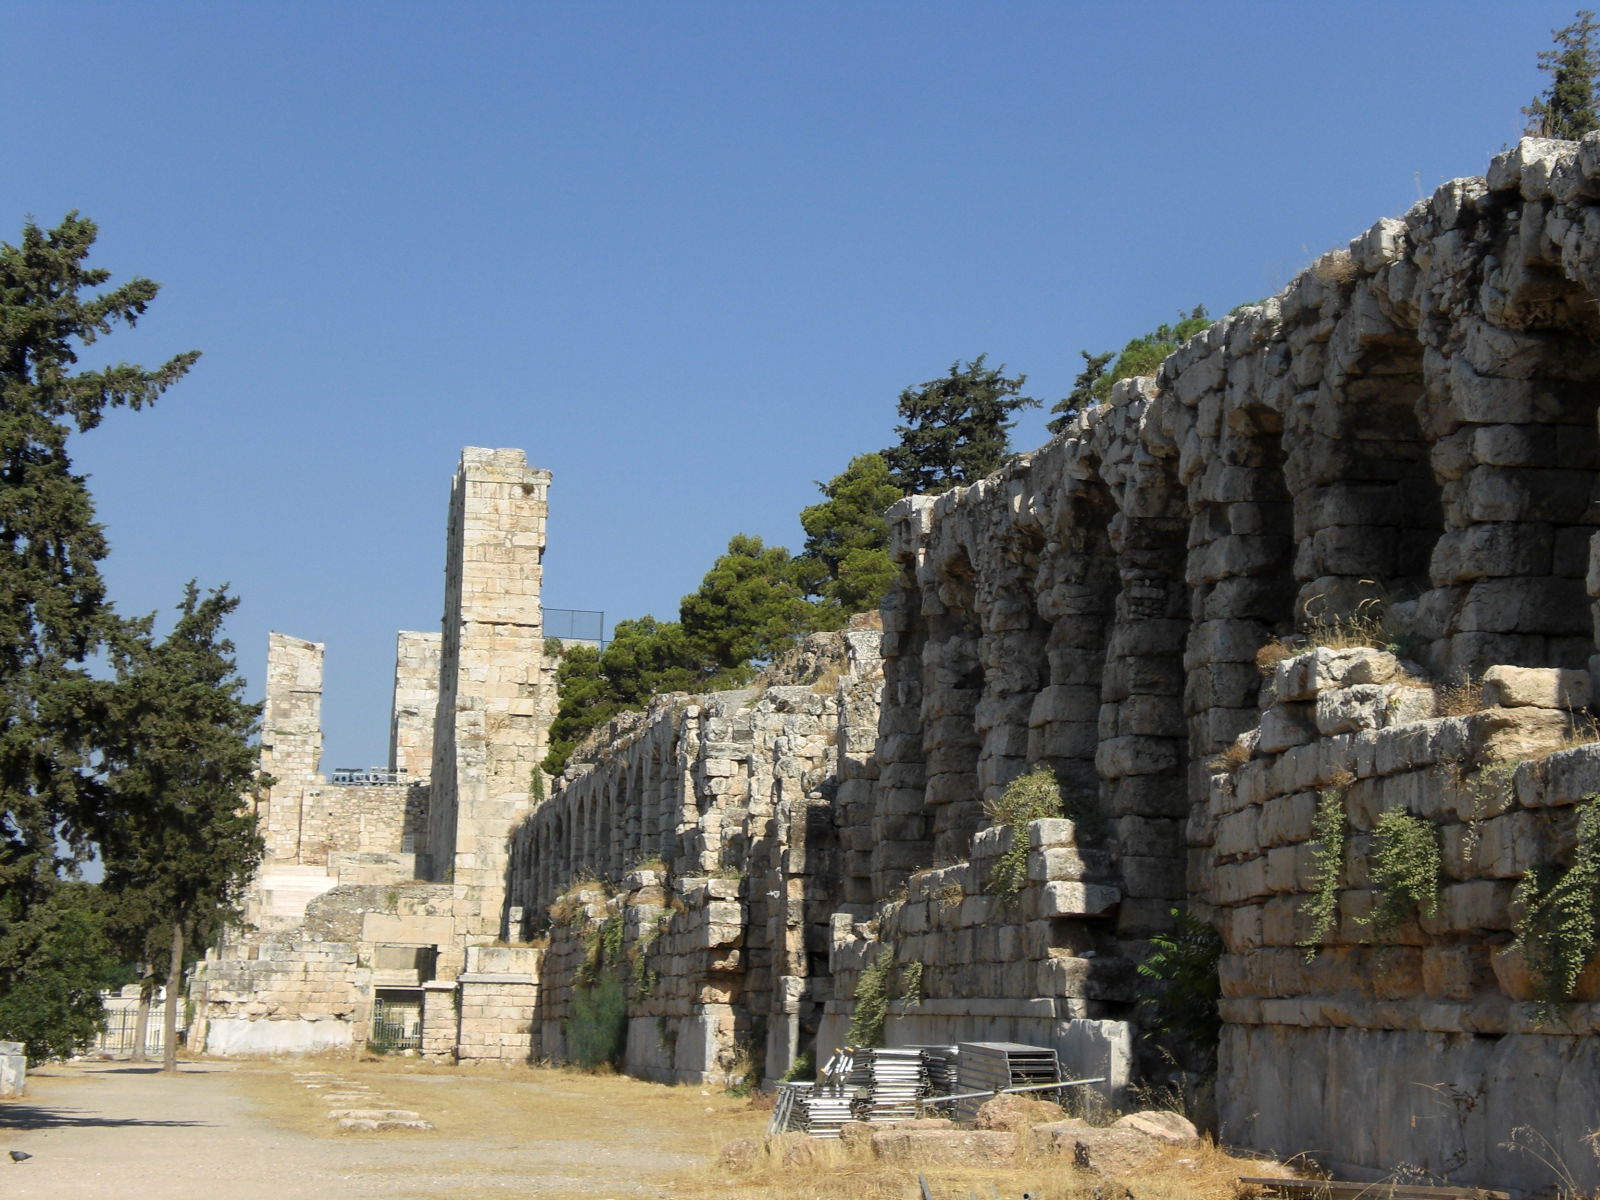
<point x="222" y="1131"/>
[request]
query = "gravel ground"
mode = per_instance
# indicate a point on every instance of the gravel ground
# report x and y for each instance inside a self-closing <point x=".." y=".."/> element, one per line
<point x="222" y="1131"/>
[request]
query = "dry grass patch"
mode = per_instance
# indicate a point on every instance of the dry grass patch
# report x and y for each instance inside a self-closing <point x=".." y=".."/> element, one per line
<point x="543" y="1103"/>
<point x="795" y="1167"/>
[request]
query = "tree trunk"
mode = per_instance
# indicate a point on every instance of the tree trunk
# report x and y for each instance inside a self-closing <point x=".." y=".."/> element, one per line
<point x="141" y="1022"/>
<point x="169" y="1022"/>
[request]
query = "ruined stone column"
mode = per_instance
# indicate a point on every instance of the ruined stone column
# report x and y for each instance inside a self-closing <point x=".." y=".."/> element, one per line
<point x="488" y="735"/>
<point x="291" y="738"/>
<point x="416" y="700"/>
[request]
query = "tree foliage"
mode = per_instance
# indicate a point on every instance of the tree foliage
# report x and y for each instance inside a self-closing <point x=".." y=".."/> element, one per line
<point x="53" y="1005"/>
<point x="1568" y="108"/>
<point x="747" y="608"/>
<point x="1141" y="356"/>
<point x="955" y="429"/>
<point x="846" y="561"/>
<point x="54" y="614"/>
<point x="179" y="850"/>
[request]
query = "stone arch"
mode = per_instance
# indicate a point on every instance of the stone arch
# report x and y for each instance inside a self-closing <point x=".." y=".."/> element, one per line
<point x="1012" y="648"/>
<point x="1516" y="388"/>
<point x="953" y="685"/>
<point x="1075" y="591"/>
<point x="900" y="819"/>
<point x="1367" y="508"/>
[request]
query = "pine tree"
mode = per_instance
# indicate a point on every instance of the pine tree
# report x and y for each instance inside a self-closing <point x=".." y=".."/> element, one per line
<point x="1568" y="107"/>
<point x="54" y="614"/>
<point x="956" y="429"/>
<point x="748" y="607"/>
<point x="846" y="561"/>
<point x="179" y="848"/>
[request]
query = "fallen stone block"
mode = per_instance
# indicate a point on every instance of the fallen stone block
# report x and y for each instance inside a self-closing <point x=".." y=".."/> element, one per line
<point x="373" y="1114"/>
<point x="958" y="1147"/>
<point x="365" y="1125"/>
<point x="1119" y="1148"/>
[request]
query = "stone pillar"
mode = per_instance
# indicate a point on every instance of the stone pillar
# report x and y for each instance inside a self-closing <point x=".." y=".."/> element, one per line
<point x="439" y="1019"/>
<point x="416" y="700"/>
<point x="488" y="735"/>
<point x="291" y="738"/>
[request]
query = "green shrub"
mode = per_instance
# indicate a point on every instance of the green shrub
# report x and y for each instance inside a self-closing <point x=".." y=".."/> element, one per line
<point x="597" y="1030"/>
<point x="1182" y="964"/>
<point x="1026" y="798"/>
<point x="871" y="1001"/>
<point x="1327" y="857"/>
<point x="1406" y="863"/>
<point x="1560" y="914"/>
<point x="804" y="1069"/>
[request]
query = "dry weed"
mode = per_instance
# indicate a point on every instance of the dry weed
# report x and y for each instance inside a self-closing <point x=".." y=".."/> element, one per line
<point x="1273" y="653"/>
<point x="1583" y="731"/>
<point x="1336" y="267"/>
<point x="1458" y="698"/>
<point x="1231" y="759"/>
<point x="827" y="683"/>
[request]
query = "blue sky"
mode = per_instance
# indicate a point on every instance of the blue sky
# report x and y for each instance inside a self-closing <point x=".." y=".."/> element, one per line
<point x="685" y="254"/>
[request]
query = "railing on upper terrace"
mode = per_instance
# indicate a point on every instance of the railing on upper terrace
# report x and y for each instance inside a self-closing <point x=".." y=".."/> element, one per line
<point x="585" y="626"/>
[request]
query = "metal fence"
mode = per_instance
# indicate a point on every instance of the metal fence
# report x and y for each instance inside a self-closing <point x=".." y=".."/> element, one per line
<point x="575" y="625"/>
<point x="396" y="1024"/>
<point x="117" y="1038"/>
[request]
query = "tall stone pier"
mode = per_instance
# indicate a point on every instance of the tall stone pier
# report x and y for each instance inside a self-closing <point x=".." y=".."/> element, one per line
<point x="488" y="738"/>
<point x="291" y="738"/>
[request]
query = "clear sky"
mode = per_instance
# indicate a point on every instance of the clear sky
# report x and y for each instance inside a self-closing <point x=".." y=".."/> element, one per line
<point x="686" y="254"/>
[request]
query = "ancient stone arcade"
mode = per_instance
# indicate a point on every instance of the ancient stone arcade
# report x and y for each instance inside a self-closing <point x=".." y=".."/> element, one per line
<point x="1404" y="440"/>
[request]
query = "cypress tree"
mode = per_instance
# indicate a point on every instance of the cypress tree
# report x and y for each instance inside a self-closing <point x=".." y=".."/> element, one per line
<point x="54" y="615"/>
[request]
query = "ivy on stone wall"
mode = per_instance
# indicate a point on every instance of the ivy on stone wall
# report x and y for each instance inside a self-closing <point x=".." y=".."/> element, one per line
<point x="1327" y="857"/>
<point x="1560" y="915"/>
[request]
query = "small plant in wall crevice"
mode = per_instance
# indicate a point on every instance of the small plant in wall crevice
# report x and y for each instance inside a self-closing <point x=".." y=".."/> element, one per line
<point x="1558" y="930"/>
<point x="1406" y="864"/>
<point x="1026" y="798"/>
<point x="1321" y="908"/>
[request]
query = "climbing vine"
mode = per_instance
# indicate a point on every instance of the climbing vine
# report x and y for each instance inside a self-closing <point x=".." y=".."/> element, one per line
<point x="1560" y="914"/>
<point x="1406" y="863"/>
<point x="911" y="983"/>
<point x="1327" y="859"/>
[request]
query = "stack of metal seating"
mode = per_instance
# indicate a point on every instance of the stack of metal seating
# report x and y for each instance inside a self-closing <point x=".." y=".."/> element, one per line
<point x="995" y="1066"/>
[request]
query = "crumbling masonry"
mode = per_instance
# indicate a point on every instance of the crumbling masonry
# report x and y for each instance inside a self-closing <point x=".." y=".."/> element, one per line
<point x="1408" y="432"/>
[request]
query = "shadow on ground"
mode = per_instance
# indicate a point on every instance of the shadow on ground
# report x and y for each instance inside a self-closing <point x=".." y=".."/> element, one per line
<point x="17" y="1115"/>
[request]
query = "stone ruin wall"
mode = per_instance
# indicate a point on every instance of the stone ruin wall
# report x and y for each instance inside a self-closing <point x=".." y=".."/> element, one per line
<point x="704" y="829"/>
<point x="1410" y="427"/>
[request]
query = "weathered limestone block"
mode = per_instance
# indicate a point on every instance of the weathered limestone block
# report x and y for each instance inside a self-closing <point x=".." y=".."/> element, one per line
<point x="1065" y="899"/>
<point x="1505" y="734"/>
<point x="1549" y="687"/>
<point x="1285" y="725"/>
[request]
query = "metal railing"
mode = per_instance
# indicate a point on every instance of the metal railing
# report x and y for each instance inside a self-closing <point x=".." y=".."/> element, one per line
<point x="576" y="625"/>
